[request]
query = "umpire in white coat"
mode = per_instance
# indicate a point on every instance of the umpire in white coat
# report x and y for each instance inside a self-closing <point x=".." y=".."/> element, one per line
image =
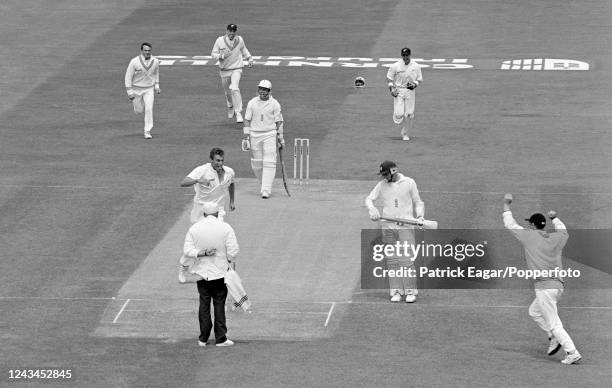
<point x="210" y="246"/>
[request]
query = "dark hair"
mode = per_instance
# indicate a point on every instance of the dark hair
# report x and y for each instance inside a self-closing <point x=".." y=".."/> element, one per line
<point x="145" y="44"/>
<point x="216" y="151"/>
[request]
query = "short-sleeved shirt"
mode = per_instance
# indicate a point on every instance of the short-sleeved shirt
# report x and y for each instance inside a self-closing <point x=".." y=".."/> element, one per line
<point x="400" y="73"/>
<point x="263" y="115"/>
<point x="216" y="191"/>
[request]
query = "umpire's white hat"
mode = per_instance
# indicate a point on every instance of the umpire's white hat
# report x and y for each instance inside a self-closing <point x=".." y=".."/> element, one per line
<point x="264" y="83"/>
<point x="209" y="208"/>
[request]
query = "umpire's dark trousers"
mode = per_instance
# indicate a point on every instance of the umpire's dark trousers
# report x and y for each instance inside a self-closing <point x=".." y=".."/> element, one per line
<point x="217" y="291"/>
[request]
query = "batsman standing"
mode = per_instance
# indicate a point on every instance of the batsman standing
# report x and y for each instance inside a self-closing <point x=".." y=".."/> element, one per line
<point x="230" y="50"/>
<point x="543" y="253"/>
<point x="401" y="199"/>
<point x="141" y="81"/>
<point x="263" y="130"/>
<point x="403" y="77"/>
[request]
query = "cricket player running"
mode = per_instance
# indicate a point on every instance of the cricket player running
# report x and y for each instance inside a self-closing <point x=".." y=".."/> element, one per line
<point x="212" y="182"/>
<point x="263" y="129"/>
<point x="230" y="50"/>
<point x="401" y="199"/>
<point x="141" y="81"/>
<point x="403" y="77"/>
<point x="543" y="253"/>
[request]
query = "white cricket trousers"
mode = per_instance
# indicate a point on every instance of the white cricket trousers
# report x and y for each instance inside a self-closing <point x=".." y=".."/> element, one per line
<point x="403" y="105"/>
<point x="230" y="80"/>
<point x="263" y="158"/>
<point x="543" y="310"/>
<point x="143" y="102"/>
<point x="396" y="262"/>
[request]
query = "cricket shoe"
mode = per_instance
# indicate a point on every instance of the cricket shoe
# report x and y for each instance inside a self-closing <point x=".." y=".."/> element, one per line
<point x="396" y="297"/>
<point x="228" y="342"/>
<point x="239" y="118"/>
<point x="572" y="358"/>
<point x="201" y="343"/>
<point x="410" y="296"/>
<point x="405" y="137"/>
<point x="265" y="195"/>
<point x="230" y="112"/>
<point x="553" y="346"/>
<point x="147" y="135"/>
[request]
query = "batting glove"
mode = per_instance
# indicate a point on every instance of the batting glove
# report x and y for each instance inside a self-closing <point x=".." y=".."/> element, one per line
<point x="374" y="214"/>
<point x="420" y="220"/>
<point x="394" y="92"/>
<point x="157" y="89"/>
<point x="280" y="140"/>
<point x="250" y="62"/>
<point x="246" y="144"/>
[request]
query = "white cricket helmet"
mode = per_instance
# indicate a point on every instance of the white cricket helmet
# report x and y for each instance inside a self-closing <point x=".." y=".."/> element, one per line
<point x="264" y="83"/>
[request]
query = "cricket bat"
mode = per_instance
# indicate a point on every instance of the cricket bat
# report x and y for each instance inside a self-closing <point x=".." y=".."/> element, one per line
<point x="427" y="224"/>
<point x="282" y="162"/>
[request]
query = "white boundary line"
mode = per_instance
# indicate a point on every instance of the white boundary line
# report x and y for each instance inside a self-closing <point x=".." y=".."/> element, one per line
<point x="120" y="311"/>
<point x="329" y="314"/>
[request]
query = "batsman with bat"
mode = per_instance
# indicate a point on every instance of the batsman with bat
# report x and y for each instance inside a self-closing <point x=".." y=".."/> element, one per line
<point x="543" y="254"/>
<point x="263" y="132"/>
<point x="401" y="200"/>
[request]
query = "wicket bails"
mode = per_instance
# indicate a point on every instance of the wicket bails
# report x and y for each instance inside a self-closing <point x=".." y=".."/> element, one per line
<point x="301" y="148"/>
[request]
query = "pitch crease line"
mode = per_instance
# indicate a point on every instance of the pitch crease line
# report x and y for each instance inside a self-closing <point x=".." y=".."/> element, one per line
<point x="120" y="311"/>
<point x="329" y="314"/>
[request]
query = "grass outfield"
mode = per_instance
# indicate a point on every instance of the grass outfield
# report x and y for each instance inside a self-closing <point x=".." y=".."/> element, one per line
<point x="88" y="206"/>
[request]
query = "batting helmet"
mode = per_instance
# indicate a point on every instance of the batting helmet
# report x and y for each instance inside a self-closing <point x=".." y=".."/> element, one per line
<point x="264" y="83"/>
<point x="387" y="167"/>
<point x="359" y="82"/>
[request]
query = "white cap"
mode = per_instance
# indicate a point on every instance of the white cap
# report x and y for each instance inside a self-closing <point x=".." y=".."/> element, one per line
<point x="264" y="83"/>
<point x="210" y="208"/>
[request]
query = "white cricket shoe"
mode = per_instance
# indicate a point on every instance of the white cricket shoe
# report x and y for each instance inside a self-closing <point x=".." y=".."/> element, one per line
<point x="239" y="118"/>
<point x="230" y="112"/>
<point x="265" y="195"/>
<point x="553" y="346"/>
<point x="410" y="296"/>
<point x="228" y="342"/>
<point x="147" y="135"/>
<point x="396" y="297"/>
<point x="202" y="344"/>
<point x="572" y="358"/>
<point x="405" y="137"/>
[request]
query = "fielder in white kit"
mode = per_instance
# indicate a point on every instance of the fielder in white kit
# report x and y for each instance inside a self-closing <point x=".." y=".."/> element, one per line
<point x="401" y="199"/>
<point x="212" y="182"/>
<point x="230" y="50"/>
<point x="543" y="253"/>
<point x="141" y="81"/>
<point x="263" y="130"/>
<point x="402" y="78"/>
